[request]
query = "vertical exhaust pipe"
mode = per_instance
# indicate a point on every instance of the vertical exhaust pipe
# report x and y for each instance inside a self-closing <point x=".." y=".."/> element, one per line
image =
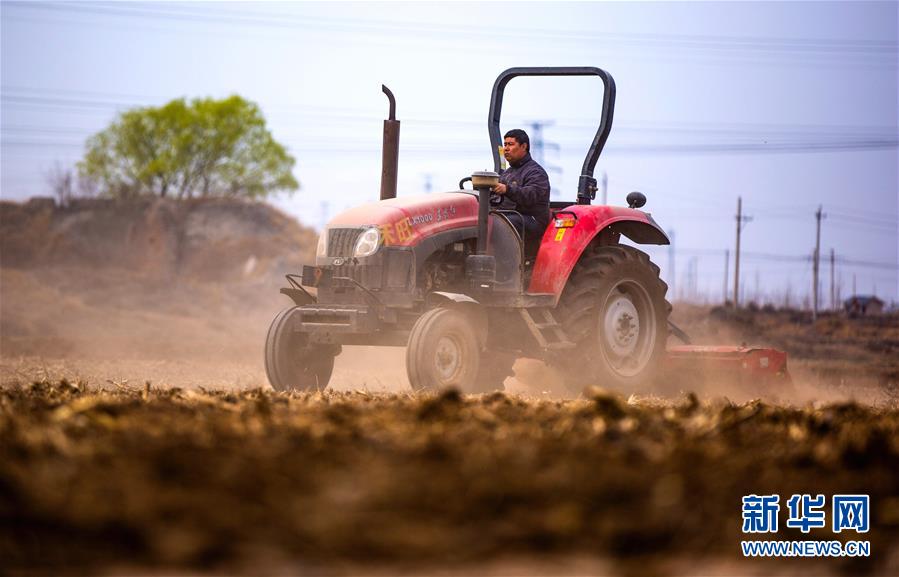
<point x="483" y="182"/>
<point x="390" y="155"/>
<point x="481" y="267"/>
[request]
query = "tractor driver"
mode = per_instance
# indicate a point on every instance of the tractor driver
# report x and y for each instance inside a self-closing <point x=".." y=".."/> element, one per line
<point x="524" y="187"/>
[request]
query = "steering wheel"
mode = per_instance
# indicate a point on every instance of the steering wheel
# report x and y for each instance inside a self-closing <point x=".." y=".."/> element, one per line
<point x="495" y="199"/>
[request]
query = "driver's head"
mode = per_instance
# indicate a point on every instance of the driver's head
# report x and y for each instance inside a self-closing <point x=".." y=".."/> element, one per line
<point x="516" y="145"/>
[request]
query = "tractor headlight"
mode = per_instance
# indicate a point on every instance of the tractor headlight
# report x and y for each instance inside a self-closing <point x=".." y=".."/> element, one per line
<point x="368" y="243"/>
<point x="322" y="248"/>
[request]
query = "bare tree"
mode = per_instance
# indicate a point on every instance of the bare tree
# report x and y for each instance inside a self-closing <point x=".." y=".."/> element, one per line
<point x="788" y="296"/>
<point x="66" y="185"/>
<point x="88" y="187"/>
<point x="62" y="183"/>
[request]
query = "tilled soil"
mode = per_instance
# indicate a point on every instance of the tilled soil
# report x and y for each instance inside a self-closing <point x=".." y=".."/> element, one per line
<point x="138" y="479"/>
<point x="186" y="463"/>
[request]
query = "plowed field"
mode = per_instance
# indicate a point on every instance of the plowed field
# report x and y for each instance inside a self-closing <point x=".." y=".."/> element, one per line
<point x="138" y="436"/>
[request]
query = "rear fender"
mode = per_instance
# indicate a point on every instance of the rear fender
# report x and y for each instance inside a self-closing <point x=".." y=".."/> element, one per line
<point x="562" y="246"/>
<point x="443" y="298"/>
<point x="464" y="303"/>
<point x="298" y="296"/>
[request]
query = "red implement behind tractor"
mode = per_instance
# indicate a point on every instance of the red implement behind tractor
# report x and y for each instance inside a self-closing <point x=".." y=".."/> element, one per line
<point x="452" y="279"/>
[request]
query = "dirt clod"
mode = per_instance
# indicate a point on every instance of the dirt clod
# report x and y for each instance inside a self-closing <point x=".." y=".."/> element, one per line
<point x="215" y="479"/>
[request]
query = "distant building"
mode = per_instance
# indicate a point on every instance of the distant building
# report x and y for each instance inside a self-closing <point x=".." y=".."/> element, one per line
<point x="863" y="305"/>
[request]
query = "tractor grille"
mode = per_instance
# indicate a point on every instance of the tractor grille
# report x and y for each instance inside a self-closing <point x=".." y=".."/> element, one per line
<point x="342" y="241"/>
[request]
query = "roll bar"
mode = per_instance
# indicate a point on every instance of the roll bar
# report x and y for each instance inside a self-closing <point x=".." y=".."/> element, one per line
<point x="586" y="188"/>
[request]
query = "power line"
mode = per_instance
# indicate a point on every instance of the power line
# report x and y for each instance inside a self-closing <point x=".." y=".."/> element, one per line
<point x="867" y="264"/>
<point x="863" y="219"/>
<point x="779" y="148"/>
<point x="822" y="47"/>
<point x="801" y="146"/>
<point x="835" y="53"/>
<point x="638" y="150"/>
<point x="867" y="221"/>
<point x="788" y="258"/>
<point x="83" y="99"/>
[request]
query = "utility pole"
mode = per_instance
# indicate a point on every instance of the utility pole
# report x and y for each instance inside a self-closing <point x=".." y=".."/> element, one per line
<point x="740" y="220"/>
<point x="815" y="287"/>
<point x="833" y="294"/>
<point x="695" y="278"/>
<point x="537" y="143"/>
<point x="737" y="252"/>
<point x="840" y="292"/>
<point x="672" y="276"/>
<point x="688" y="277"/>
<point x="691" y="279"/>
<point x="605" y="188"/>
<point x="726" y="266"/>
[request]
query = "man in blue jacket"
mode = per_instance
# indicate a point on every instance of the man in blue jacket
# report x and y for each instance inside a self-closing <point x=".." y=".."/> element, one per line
<point x="524" y="187"/>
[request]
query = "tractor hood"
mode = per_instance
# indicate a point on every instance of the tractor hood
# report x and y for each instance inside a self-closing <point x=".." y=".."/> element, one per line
<point x="407" y="220"/>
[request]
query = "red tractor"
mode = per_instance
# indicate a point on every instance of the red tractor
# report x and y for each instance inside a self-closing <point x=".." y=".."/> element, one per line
<point x="449" y="277"/>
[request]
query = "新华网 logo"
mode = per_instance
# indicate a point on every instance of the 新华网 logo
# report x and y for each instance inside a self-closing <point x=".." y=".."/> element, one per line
<point x="806" y="512"/>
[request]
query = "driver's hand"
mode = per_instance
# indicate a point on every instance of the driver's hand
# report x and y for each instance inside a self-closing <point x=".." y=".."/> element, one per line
<point x="499" y="189"/>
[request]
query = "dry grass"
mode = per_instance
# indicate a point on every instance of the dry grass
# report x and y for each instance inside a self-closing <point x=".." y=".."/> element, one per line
<point x="833" y="347"/>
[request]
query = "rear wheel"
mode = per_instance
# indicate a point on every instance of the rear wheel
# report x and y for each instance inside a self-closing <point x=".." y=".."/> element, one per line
<point x="444" y="351"/>
<point x="614" y="310"/>
<point x="291" y="363"/>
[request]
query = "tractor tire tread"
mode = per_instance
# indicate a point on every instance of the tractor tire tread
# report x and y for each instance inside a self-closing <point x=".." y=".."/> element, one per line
<point x="578" y="300"/>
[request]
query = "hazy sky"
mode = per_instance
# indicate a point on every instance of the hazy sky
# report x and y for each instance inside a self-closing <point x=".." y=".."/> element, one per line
<point x="789" y="105"/>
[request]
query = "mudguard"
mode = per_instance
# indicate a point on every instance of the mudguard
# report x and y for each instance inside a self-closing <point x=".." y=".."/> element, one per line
<point x="437" y="297"/>
<point x="573" y="228"/>
<point x="465" y="303"/>
<point x="298" y="296"/>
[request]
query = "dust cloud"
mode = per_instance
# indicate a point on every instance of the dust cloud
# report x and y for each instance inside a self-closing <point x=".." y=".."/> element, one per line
<point x="112" y="327"/>
<point x="140" y="434"/>
<point x="182" y="294"/>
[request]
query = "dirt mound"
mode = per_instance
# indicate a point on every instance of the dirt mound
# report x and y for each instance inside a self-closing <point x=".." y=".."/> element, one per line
<point x="210" y="240"/>
<point x="150" y="279"/>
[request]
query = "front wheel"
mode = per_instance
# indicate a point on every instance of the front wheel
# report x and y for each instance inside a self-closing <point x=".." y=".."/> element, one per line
<point x="443" y="351"/>
<point x="290" y="362"/>
<point x="614" y="309"/>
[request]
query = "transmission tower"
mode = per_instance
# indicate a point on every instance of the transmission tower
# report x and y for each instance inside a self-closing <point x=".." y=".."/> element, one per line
<point x="539" y="145"/>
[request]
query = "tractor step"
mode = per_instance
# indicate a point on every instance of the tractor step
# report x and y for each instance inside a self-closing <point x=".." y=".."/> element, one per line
<point x="547" y="327"/>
